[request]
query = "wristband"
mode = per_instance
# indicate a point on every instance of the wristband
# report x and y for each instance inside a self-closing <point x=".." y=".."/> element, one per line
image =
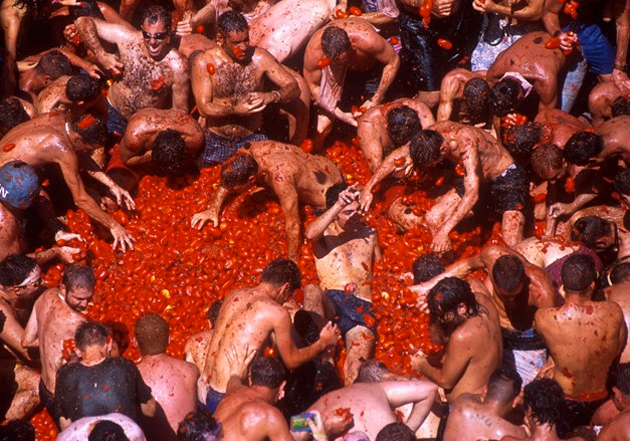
<point x="321" y="436"/>
<point x="278" y="94"/>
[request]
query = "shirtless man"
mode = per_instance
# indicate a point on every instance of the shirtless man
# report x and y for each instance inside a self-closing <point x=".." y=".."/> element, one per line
<point x="173" y="382"/>
<point x="52" y="139"/>
<point x="584" y="338"/>
<point x="150" y="71"/>
<point x="524" y="66"/>
<point x="20" y="284"/>
<point x="349" y="45"/>
<point x="75" y="94"/>
<point x="619" y="428"/>
<point x="484" y="161"/>
<point x="457" y="86"/>
<point x="609" y="140"/>
<point x="294" y="176"/>
<point x="517" y="289"/>
<point x="47" y="69"/>
<point x="345" y="249"/>
<point x="600" y="100"/>
<point x="56" y="316"/>
<point x="545" y="412"/>
<point x="619" y="279"/>
<point x="196" y="349"/>
<point x="372" y="401"/>
<point x="389" y="126"/>
<point x="247" y="319"/>
<point x="483" y="416"/>
<point x="248" y="413"/>
<point x="19" y="186"/>
<point x="473" y="349"/>
<point x="227" y="83"/>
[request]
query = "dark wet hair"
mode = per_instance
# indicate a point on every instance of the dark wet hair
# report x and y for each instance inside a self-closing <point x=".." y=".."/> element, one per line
<point x="621" y="106"/>
<point x="335" y="42"/>
<point x="447" y="294"/>
<point x="372" y="371"/>
<point x="396" y="432"/>
<point x="268" y="372"/>
<point x="231" y="21"/>
<point x="94" y="132"/>
<point x="424" y="148"/>
<point x="620" y="273"/>
<point x="156" y="13"/>
<point x="426" y="267"/>
<point x="547" y="160"/>
<point x="583" y="146"/>
<point x="520" y="140"/>
<point x="281" y="271"/>
<point x="477" y="98"/>
<point x="78" y="276"/>
<point x="589" y="229"/>
<point x="213" y="311"/>
<point x="54" y="64"/>
<point x="87" y="8"/>
<point x="545" y="399"/>
<point x="199" y="425"/>
<point x="14" y="269"/>
<point x="151" y="332"/>
<point x="82" y="88"/>
<point x="402" y="124"/>
<point x="12" y="113"/>
<point x="619" y="377"/>
<point x="504" y="96"/>
<point x="17" y="430"/>
<point x="237" y="170"/>
<point x="91" y="334"/>
<point x="622" y="182"/>
<point x="508" y="272"/>
<point x="106" y="430"/>
<point x="332" y="193"/>
<point x="169" y="152"/>
<point x="504" y="385"/>
<point x="578" y="273"/>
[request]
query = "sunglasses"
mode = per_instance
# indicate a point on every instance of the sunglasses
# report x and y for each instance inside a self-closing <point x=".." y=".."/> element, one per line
<point x="158" y="36"/>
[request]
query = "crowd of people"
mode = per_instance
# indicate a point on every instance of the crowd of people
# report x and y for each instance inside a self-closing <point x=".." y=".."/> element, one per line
<point x="512" y="116"/>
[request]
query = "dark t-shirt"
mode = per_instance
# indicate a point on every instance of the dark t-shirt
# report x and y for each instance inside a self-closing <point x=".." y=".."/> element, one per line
<point x="115" y="385"/>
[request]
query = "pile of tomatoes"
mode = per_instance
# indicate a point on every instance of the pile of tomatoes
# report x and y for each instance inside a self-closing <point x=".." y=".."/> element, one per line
<point x="178" y="271"/>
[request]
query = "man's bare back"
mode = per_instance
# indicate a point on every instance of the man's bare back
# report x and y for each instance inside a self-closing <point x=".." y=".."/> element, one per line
<point x="620" y="294"/>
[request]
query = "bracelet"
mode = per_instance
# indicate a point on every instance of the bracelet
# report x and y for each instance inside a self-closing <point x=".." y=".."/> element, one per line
<point x="321" y="436"/>
<point x="278" y="94"/>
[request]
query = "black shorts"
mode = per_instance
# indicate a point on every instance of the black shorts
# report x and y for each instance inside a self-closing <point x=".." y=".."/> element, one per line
<point x="580" y="413"/>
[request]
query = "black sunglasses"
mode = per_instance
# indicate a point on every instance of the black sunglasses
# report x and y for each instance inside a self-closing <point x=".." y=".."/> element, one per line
<point x="158" y="36"/>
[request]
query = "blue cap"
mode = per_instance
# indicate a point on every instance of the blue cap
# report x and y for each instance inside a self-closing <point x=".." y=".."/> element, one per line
<point x="19" y="184"/>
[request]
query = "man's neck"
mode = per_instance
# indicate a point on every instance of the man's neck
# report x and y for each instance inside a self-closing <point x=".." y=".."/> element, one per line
<point x="575" y="298"/>
<point x="544" y="432"/>
<point x="94" y="355"/>
<point x="267" y="394"/>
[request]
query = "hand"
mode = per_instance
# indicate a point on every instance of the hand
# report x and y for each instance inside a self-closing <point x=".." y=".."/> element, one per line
<point x="122" y="197"/>
<point x="342" y="8"/>
<point x="111" y="63"/>
<point x="483" y="6"/>
<point x="184" y="27"/>
<point x="441" y="243"/>
<point x="316" y="424"/>
<point x="254" y="103"/>
<point x="65" y="254"/>
<point x="422" y="303"/>
<point x="238" y="365"/>
<point x="348" y="196"/>
<point x="93" y="70"/>
<point x="620" y="79"/>
<point x="557" y="210"/>
<point x="348" y="118"/>
<point x="122" y="238"/>
<point x="418" y="359"/>
<point x="64" y="235"/>
<point x="200" y="219"/>
<point x="368" y="105"/>
<point x="329" y="334"/>
<point x="568" y="41"/>
<point x="336" y="425"/>
<point x="365" y="200"/>
<point x="443" y="8"/>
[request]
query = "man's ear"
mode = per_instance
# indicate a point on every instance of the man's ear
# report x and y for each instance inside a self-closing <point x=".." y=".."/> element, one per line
<point x="46" y="80"/>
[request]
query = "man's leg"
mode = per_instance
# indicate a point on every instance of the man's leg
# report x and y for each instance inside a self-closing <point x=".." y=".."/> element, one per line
<point x="512" y="225"/>
<point x="359" y="346"/>
<point x="444" y="206"/>
<point x="323" y="128"/>
<point x="26" y="398"/>
<point x="316" y="300"/>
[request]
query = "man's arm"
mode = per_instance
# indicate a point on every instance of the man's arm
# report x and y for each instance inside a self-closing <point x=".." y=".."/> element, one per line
<point x="421" y="393"/>
<point x="317" y="228"/>
<point x="212" y="213"/>
<point x="448" y="92"/>
<point x="288" y="197"/>
<point x="181" y="89"/>
<point x="399" y="159"/>
<point x="384" y="53"/>
<point x="289" y="89"/>
<point x="11" y="333"/>
<point x="532" y="10"/>
<point x="274" y="425"/>
<point x="70" y="170"/>
<point x="123" y="198"/>
<point x="92" y="28"/>
<point x="622" y="22"/>
<point x="290" y="354"/>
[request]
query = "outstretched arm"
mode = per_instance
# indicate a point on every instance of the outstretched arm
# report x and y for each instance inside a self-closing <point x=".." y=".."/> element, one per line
<point x="399" y="159"/>
<point x="212" y="213"/>
<point x="316" y="229"/>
